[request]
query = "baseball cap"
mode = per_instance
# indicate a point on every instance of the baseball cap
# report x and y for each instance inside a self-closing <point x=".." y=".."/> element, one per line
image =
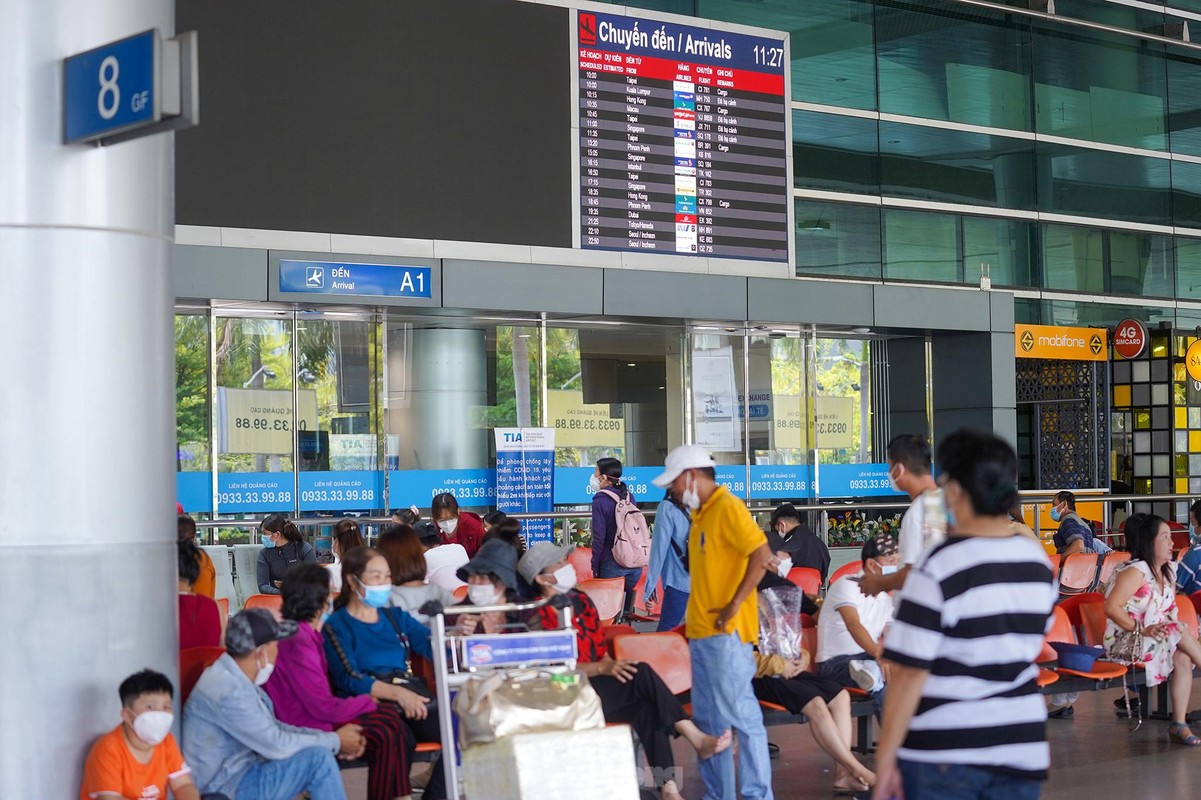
<point x="684" y="457"/>
<point x="254" y="627"/>
<point x="539" y="557"/>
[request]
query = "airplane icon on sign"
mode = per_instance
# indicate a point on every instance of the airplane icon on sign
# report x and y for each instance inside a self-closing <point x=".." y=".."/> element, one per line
<point x="314" y="277"/>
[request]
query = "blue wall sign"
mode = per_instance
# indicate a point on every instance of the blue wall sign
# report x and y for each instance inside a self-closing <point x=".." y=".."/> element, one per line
<point x="111" y="89"/>
<point x="854" y="480"/>
<point x="346" y="490"/>
<point x="525" y="477"/>
<point x="367" y="280"/>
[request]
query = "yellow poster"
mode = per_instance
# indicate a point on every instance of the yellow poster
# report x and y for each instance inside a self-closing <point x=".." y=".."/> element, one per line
<point x="834" y="423"/>
<point x="789" y="422"/>
<point x="1070" y="344"/>
<point x="578" y="424"/>
<point x="259" y="421"/>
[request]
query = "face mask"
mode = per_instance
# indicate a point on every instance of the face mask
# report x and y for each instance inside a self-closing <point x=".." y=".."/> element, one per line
<point x="892" y="483"/>
<point x="483" y="594"/>
<point x="784" y="567"/>
<point x="448" y="526"/>
<point x="564" y="578"/>
<point x="324" y="619"/>
<point x="594" y="484"/>
<point x="153" y="726"/>
<point x="888" y="569"/>
<point x="1055" y="515"/>
<point x="264" y="674"/>
<point x="690" y="498"/>
<point x="267" y="540"/>
<point x="376" y="596"/>
<point x="950" y="514"/>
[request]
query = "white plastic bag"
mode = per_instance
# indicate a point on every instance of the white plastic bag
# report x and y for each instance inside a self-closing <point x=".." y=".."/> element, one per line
<point x="780" y="622"/>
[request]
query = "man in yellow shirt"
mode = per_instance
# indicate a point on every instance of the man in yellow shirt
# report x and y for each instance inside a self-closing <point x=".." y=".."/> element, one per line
<point x="727" y="557"/>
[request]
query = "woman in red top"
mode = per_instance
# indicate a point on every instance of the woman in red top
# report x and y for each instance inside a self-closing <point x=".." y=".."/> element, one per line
<point x="457" y="527"/>
<point x="629" y="693"/>
<point x="200" y="623"/>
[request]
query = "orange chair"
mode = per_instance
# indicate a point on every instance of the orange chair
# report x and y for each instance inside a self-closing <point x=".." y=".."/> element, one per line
<point x="611" y="632"/>
<point x="607" y="594"/>
<point x="581" y="559"/>
<point x="1061" y="631"/>
<point x="846" y="569"/>
<point x="1108" y="565"/>
<point x="1195" y="597"/>
<point x="192" y="664"/>
<point x="644" y="611"/>
<point x="1180" y="535"/>
<point x="808" y="578"/>
<point x="666" y="653"/>
<point x="223" y="604"/>
<point x="1186" y="612"/>
<point x="460" y="593"/>
<point x="1071" y="605"/>
<point x="1054" y="558"/>
<point x="1094" y="621"/>
<point x="271" y="602"/>
<point x="1079" y="573"/>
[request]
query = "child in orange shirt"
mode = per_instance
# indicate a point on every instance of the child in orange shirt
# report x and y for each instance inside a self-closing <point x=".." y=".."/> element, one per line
<point x="139" y="758"/>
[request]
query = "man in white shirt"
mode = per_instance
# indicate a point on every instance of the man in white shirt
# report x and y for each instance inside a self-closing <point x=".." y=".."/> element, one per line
<point x="442" y="561"/>
<point x="924" y="523"/>
<point x="851" y="624"/>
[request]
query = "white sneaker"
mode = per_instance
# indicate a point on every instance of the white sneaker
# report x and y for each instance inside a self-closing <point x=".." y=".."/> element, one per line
<point x="866" y="675"/>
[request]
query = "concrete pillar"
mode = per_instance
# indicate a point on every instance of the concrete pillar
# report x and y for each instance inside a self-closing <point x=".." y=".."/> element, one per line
<point x="447" y="384"/>
<point x="974" y="384"/>
<point x="86" y="415"/>
<point x="907" y="387"/>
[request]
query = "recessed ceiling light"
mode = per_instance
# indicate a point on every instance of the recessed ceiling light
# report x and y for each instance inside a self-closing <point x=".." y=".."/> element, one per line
<point x="631" y="364"/>
<point x="861" y="330"/>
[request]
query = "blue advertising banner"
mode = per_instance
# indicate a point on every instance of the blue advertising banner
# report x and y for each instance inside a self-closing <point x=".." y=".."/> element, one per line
<point x="780" y="481"/>
<point x="370" y="280"/>
<point x="253" y="492"/>
<point x="525" y="477"/>
<point x="341" y="491"/>
<point x="511" y="649"/>
<point x="854" y="480"/>
<point x="194" y="491"/>
<point x="571" y="484"/>
<point x="471" y="487"/>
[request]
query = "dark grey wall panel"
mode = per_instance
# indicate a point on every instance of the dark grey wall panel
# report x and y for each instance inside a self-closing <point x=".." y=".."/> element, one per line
<point x="680" y="295"/>
<point x="1002" y="311"/>
<point x="426" y="119"/>
<point x="522" y="287"/>
<point x="816" y="302"/>
<point x="315" y="298"/>
<point x="219" y="273"/>
<point x="931" y="308"/>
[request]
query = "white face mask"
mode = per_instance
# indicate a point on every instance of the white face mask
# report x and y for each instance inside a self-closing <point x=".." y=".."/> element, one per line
<point x="888" y="569"/>
<point x="448" y="526"/>
<point x="594" y="484"/>
<point x="564" y="578"/>
<point x="483" y="594"/>
<point x="892" y="483"/>
<point x="784" y="568"/>
<point x="264" y="674"/>
<point x="690" y="497"/>
<point x="153" y="726"/>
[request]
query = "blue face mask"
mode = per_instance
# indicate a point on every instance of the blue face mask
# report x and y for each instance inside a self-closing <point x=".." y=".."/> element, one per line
<point x="888" y="569"/>
<point x="267" y="540"/>
<point x="951" y="524"/>
<point x="376" y="596"/>
<point x="1055" y="515"/>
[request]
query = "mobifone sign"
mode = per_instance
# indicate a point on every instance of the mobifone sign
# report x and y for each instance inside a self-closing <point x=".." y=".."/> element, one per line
<point x="1051" y="341"/>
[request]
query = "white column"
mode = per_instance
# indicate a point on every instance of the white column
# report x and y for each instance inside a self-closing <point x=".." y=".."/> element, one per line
<point x="87" y="554"/>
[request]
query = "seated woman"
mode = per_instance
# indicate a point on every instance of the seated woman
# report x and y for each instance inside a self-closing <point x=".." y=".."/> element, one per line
<point x="346" y="536"/>
<point x="406" y="558"/>
<point x="200" y="621"/>
<point x="367" y="645"/>
<point x="629" y="693"/>
<point x="824" y="701"/>
<point x="1143" y="592"/>
<point x="283" y="547"/>
<point x="299" y="687"/>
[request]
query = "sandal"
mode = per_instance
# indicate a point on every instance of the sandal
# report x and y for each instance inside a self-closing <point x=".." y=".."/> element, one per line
<point x="1176" y="735"/>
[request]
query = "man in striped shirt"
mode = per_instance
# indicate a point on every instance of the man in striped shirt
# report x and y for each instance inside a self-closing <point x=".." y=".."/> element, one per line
<point x="963" y="718"/>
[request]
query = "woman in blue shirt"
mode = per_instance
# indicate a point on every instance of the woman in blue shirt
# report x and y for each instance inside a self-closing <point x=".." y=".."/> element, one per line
<point x="367" y="646"/>
<point x="669" y="552"/>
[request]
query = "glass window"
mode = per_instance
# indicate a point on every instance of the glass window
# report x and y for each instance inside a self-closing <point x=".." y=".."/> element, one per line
<point x="1099" y="87"/>
<point x="920" y="246"/>
<point x="1003" y="247"/>
<point x="1186" y="193"/>
<point x="1140" y="265"/>
<point x="837" y="239"/>
<point x="833" y="59"/>
<point x="258" y="418"/>
<point x="1184" y="101"/>
<point x="1066" y="312"/>
<point x="1096" y="183"/>
<point x="834" y="152"/>
<point x="954" y="64"/>
<point x="193" y="456"/>
<point x="1073" y="258"/>
<point x="1109" y="13"/>
<point x="955" y="166"/>
<point x="1188" y="268"/>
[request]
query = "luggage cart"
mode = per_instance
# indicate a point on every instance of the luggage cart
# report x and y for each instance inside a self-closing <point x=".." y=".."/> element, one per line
<point x="457" y="658"/>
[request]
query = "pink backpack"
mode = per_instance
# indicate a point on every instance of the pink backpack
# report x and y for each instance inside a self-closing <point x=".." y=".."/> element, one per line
<point x="632" y="539"/>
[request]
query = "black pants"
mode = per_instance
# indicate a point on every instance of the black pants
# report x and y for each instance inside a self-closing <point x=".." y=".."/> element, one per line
<point x="648" y="706"/>
<point x="427" y="730"/>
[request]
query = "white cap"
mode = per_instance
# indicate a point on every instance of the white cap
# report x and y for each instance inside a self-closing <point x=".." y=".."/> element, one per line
<point x="688" y="456"/>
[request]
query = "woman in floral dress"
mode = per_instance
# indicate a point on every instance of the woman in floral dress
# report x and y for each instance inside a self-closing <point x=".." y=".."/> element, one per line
<point x="1143" y="592"/>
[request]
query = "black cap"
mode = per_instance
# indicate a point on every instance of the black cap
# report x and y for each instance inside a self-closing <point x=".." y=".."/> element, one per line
<point x="255" y="627"/>
<point x="495" y="557"/>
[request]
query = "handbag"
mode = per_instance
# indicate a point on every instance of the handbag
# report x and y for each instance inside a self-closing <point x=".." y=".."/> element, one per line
<point x="506" y="703"/>
<point x="1127" y="649"/>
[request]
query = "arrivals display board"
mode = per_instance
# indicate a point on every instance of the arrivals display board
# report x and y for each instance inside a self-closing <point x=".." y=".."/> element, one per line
<point x="683" y="139"/>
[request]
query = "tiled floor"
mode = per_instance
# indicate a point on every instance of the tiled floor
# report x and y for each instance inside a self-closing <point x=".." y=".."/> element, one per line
<point x="1093" y="755"/>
